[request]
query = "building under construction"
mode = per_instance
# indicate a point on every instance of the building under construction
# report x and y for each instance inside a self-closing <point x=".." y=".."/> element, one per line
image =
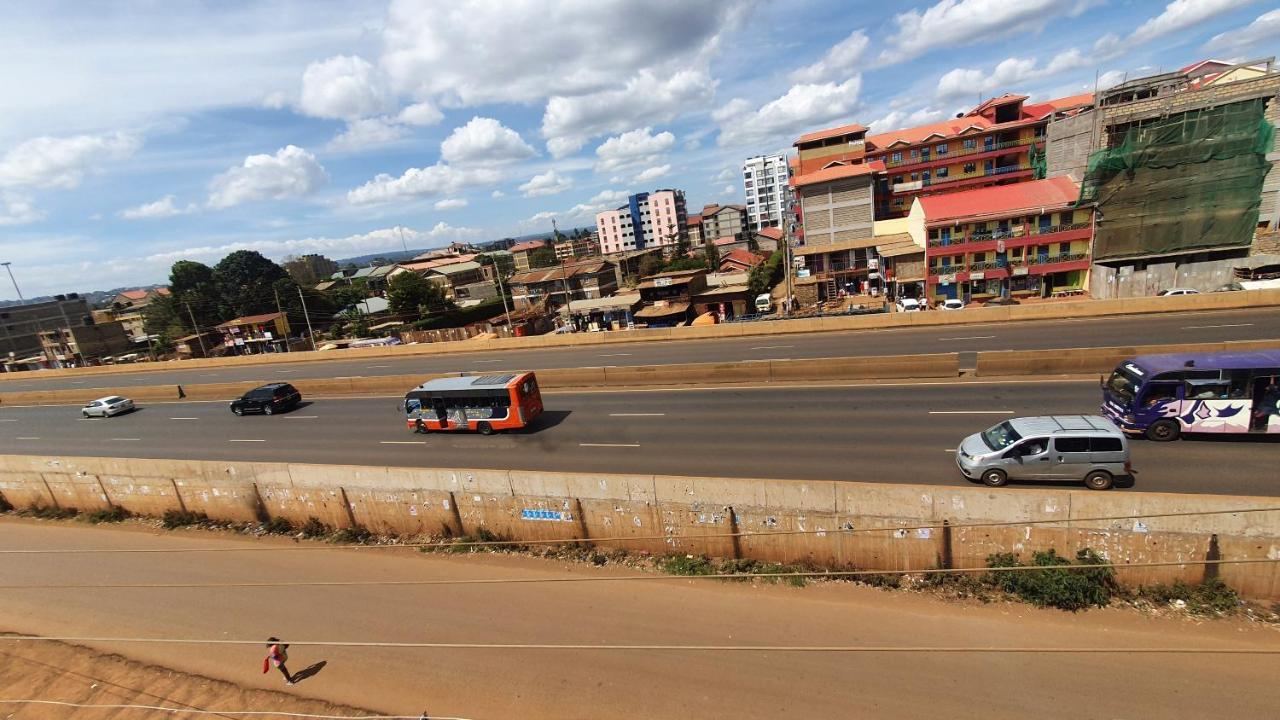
<point x="1181" y="171"/>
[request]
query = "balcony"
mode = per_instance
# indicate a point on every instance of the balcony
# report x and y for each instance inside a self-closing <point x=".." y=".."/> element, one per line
<point x="956" y="177"/>
<point x="962" y="152"/>
<point x="1059" y="258"/>
<point x="990" y="265"/>
<point x="988" y="236"/>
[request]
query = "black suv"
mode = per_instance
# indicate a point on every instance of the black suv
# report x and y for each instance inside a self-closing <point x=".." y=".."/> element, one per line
<point x="268" y="399"/>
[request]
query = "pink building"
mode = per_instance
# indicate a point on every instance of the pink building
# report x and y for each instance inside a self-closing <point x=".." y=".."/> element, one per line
<point x="648" y="220"/>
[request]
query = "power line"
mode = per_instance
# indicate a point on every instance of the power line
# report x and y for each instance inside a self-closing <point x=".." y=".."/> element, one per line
<point x="835" y="574"/>
<point x="841" y="649"/>
<point x="849" y="529"/>
<point x="240" y="713"/>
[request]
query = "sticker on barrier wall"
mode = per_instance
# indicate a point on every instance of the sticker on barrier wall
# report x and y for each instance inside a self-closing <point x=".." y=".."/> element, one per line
<point x="413" y="510"/>
<point x="924" y="533"/>
<point x="545" y="515"/>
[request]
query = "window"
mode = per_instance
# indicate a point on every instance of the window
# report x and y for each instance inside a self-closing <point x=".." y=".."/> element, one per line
<point x="942" y="172"/>
<point x="970" y="144"/>
<point x="1105" y="444"/>
<point x="1039" y="131"/>
<point x="1071" y="444"/>
<point x="896" y="157"/>
<point x="915" y="152"/>
<point x="1066" y="217"/>
<point x="1017" y="253"/>
<point x="942" y="149"/>
<point x="970" y="167"/>
<point x="915" y="177"/>
<point x="897" y="179"/>
<point x="933" y="233"/>
<point x="1064" y="248"/>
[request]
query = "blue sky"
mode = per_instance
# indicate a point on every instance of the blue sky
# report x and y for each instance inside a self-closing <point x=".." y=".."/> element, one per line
<point x="135" y="134"/>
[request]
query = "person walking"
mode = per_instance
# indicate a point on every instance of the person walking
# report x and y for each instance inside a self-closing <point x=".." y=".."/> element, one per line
<point x="278" y="655"/>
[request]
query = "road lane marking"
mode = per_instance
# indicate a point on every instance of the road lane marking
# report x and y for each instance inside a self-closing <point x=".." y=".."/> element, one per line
<point x="772" y="347"/>
<point x="286" y="371"/>
<point x="970" y="412"/>
<point x="78" y="382"/>
<point x="126" y="439"/>
<point x="301" y="417"/>
<point x="371" y="367"/>
<point x="948" y="450"/>
<point x="971" y="337"/>
<point x="402" y="442"/>
<point x="349" y="377"/>
<point x="246" y="441"/>
<point x="8" y="419"/>
<point x="27" y="438"/>
<point x="486" y="361"/>
<point x="209" y="375"/>
<point x="616" y="355"/>
<point x="185" y="418"/>
<point x="617" y="445"/>
<point x="1209" y="327"/>
<point x="637" y="414"/>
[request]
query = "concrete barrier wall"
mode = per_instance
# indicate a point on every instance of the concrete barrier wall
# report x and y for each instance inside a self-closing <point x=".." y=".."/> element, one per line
<point x="1084" y="308"/>
<point x="835" y="525"/>
<point x="1076" y="361"/>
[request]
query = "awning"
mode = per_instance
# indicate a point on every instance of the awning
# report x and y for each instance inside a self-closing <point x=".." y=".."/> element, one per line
<point x="704" y="319"/>
<point x="653" y="311"/>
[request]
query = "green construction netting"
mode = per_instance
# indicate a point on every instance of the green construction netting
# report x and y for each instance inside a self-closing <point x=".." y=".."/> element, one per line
<point x="1191" y="181"/>
<point x="1039" y="163"/>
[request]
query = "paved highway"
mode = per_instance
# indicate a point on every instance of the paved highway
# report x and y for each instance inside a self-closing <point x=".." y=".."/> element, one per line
<point x="1214" y="326"/>
<point x="878" y="433"/>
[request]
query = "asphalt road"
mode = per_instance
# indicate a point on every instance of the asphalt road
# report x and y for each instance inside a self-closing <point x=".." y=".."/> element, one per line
<point x="1261" y="324"/>
<point x="544" y="684"/>
<point x="877" y="433"/>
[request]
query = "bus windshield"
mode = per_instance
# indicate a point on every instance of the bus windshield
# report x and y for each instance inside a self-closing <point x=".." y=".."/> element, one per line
<point x="1001" y="436"/>
<point x="1123" y="385"/>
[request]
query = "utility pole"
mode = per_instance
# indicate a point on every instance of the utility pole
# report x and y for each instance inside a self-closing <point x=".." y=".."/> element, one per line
<point x="307" y="315"/>
<point x="21" y="300"/>
<point x="497" y="274"/>
<point x="786" y="239"/>
<point x="196" y="329"/>
<point x="568" y="297"/>
<point x="280" y="310"/>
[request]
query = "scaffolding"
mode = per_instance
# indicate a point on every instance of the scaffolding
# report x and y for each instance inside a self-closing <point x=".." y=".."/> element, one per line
<point x="1181" y="183"/>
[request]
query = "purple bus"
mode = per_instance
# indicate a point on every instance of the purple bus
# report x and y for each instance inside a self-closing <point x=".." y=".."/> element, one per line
<point x="1163" y="396"/>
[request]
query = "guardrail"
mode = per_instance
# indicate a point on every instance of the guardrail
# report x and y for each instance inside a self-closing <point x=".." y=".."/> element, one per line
<point x="1092" y="361"/>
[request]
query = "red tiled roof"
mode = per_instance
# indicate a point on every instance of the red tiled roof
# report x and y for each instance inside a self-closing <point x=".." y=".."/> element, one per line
<point x="726" y="240"/>
<point x="831" y="132"/>
<point x="997" y="102"/>
<point x="134" y="294"/>
<point x="694" y="220"/>
<point x="773" y="233"/>
<point x="1039" y="110"/>
<point x="1001" y="200"/>
<point x="742" y="258"/>
<point x="837" y="172"/>
<point x="529" y="245"/>
<point x="953" y="127"/>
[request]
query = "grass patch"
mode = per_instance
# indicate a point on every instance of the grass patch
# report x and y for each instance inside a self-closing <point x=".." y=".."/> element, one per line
<point x="1054" y="586"/>
<point x="1212" y="597"/>
<point x="699" y="565"/>
<point x="314" y="529"/>
<point x="174" y="519"/>
<point x="113" y="514"/>
<point x="354" y="535"/>
<point x="278" y="526"/>
<point x="51" y="513"/>
<point x="958" y="585"/>
<point x="467" y="543"/>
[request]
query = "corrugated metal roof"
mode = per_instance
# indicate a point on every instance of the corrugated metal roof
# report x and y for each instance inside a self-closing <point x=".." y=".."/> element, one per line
<point x="1001" y="200"/>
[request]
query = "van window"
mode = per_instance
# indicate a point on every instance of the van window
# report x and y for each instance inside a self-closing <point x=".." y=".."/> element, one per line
<point x="1105" y="444"/>
<point x="1071" y="444"/>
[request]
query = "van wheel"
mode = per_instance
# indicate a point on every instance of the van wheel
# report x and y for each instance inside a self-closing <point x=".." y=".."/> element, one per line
<point x="268" y="410"/>
<point x="485" y="428"/>
<point x="1164" y="430"/>
<point x="995" y="478"/>
<point x="1098" y="480"/>
<point x="238" y="411"/>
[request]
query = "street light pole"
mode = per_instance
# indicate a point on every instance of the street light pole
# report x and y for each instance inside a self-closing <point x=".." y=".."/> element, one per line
<point x="21" y="300"/>
<point x="307" y="315"/>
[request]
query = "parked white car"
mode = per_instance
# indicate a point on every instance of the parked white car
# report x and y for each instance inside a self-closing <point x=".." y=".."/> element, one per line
<point x="908" y="305"/>
<point x="107" y="407"/>
<point x="953" y="304"/>
<point x="1178" y="291"/>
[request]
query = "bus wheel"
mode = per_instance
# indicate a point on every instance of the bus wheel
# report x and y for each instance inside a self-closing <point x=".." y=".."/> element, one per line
<point x="1098" y="480"/>
<point x="1164" y="430"/>
<point x="485" y="428"/>
<point x="995" y="478"/>
<point x="420" y="427"/>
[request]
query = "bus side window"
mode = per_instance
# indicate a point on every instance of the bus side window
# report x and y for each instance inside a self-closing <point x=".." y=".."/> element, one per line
<point x="1160" y="392"/>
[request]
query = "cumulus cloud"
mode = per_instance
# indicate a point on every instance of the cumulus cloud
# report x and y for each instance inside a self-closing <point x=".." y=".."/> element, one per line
<point x="291" y="172"/>
<point x="603" y="200"/>
<point x="547" y="183"/>
<point x="370" y="242"/>
<point x="1177" y="16"/>
<point x="497" y="194"/>
<point x="728" y="190"/>
<point x="638" y="147"/>
<point x="569" y="122"/>
<point x="840" y="61"/>
<point x="1241" y="40"/>
<point x="896" y="119"/>
<point x="652" y="173"/>
<point x="423" y="113"/>
<point x="344" y="87"/>
<point x="951" y="23"/>
<point x="162" y="208"/>
<point x="17" y="209"/>
<point x="438" y="179"/>
<point x="366" y="133"/>
<point x="62" y="162"/>
<point x="1008" y="73"/>
<point x="484" y="141"/>
<point x="451" y="204"/>
<point x="804" y="106"/>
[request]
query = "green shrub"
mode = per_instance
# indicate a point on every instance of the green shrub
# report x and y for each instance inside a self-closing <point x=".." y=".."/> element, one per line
<point x="963" y="585"/>
<point x="704" y="566"/>
<point x="313" y="528"/>
<point x="278" y="526"/>
<point x="1212" y="597"/>
<point x="686" y="565"/>
<point x="51" y="513"/>
<point x="892" y="581"/>
<point x="354" y="535"/>
<point x="173" y="519"/>
<point x="113" y="514"/>
<point x="1055" y="586"/>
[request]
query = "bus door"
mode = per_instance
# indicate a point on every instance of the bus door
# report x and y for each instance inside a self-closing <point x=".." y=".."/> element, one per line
<point x="1264" y="399"/>
<point x="441" y="411"/>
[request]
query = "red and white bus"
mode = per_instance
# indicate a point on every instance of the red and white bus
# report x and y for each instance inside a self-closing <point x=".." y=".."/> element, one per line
<point x="485" y="403"/>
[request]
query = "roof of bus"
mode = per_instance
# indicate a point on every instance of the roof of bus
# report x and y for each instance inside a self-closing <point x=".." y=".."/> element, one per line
<point x="471" y="382"/>
<point x="1240" y="360"/>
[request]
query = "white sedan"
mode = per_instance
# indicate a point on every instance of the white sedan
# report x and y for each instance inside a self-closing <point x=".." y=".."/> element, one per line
<point x="107" y="407"/>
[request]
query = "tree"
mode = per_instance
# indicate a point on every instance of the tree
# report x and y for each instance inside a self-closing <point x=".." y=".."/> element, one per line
<point x="344" y="296"/>
<point x="649" y="265"/>
<point x="163" y="315"/>
<point x="192" y="292"/>
<point x="713" y="256"/>
<point x="765" y="275"/>
<point x="542" y="257"/>
<point x="309" y="269"/>
<point x="244" y="280"/>
<point x="753" y="243"/>
<point x="410" y="294"/>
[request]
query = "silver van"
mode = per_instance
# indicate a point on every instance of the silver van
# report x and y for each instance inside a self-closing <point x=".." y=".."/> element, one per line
<point x="1053" y="447"/>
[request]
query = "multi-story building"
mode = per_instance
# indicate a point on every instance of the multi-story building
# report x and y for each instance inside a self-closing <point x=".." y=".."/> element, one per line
<point x="253" y="334"/>
<point x="721" y="221"/>
<point x="520" y="253"/>
<point x="78" y="345"/>
<point x="1023" y="240"/>
<point x="765" y="179"/>
<point x="557" y="286"/>
<point x="128" y="306"/>
<point x="655" y="219"/>
<point x="996" y="143"/>
<point x="580" y="246"/>
<point x="694" y="226"/>
<point x="837" y="203"/>
<point x="20" y="327"/>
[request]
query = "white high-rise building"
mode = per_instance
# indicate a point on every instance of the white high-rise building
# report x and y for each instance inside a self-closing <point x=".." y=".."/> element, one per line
<point x="765" y="179"/>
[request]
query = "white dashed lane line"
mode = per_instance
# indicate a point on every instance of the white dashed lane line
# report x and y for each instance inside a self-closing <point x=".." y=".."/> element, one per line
<point x="27" y="438"/>
<point x="616" y="355"/>
<point x="610" y="445"/>
<point x="402" y="442"/>
<point x="246" y="441"/>
<point x="772" y="347"/>
<point x="637" y="414"/>
<point x="971" y="337"/>
<point x="126" y="439"/>
<point x="970" y="412"/>
<point x="301" y="417"/>
<point x="184" y="418"/>
<point x="1212" y="327"/>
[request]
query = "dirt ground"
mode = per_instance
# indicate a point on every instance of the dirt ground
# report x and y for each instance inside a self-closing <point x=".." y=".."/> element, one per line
<point x="495" y="682"/>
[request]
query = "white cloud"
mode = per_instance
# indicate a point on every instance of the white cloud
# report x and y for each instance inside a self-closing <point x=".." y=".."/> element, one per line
<point x="803" y="107"/>
<point x="423" y="113"/>
<point x="652" y="173"/>
<point x="610" y="198"/>
<point x="344" y="87"/>
<point x="547" y="183"/>
<point x="1007" y="75"/>
<point x="497" y="194"/>
<point x="466" y="52"/>
<point x="569" y="122"/>
<point x="435" y="179"/>
<point x="726" y="175"/>
<point x="603" y="200"/>
<point x="359" y="244"/>
<point x="897" y="119"/>
<point x="17" y="210"/>
<point x="366" y="133"/>
<point x="951" y="23"/>
<point x="728" y="190"/>
<point x="1182" y="14"/>
<point x="451" y="204"/>
<point x="53" y="162"/>
<point x="161" y="208"/>
<point x="291" y="172"/>
<point x="638" y="147"/>
<point x="1111" y="78"/>
<point x="276" y="100"/>
<point x="838" y="62"/>
<point x="1240" y="40"/>
<point x="484" y="141"/>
